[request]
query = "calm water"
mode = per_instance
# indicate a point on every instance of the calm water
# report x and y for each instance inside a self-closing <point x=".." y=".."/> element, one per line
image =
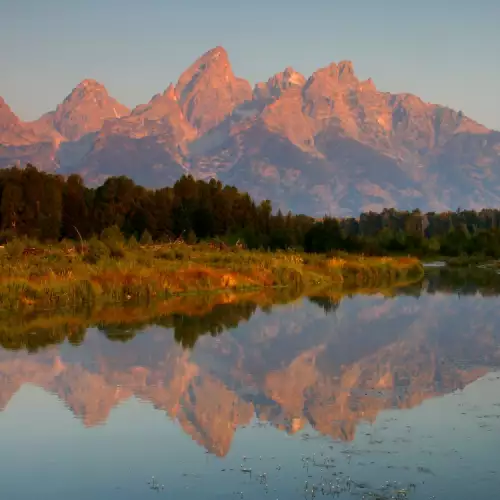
<point x="360" y="398"/>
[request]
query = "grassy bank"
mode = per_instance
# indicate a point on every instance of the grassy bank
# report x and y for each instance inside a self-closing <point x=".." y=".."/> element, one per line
<point x="63" y="275"/>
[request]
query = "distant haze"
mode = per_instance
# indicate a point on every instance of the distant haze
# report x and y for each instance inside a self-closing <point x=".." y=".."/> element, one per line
<point x="445" y="51"/>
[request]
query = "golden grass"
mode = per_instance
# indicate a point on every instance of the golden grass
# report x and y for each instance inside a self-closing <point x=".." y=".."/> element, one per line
<point x="58" y="278"/>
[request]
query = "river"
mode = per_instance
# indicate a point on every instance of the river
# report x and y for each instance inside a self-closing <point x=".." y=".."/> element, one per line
<point x="370" y="396"/>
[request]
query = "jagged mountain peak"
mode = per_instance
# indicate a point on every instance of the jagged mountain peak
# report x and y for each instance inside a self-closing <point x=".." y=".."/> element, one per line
<point x="293" y="77"/>
<point x="328" y="144"/>
<point x="216" y="56"/>
<point x="7" y="116"/>
<point x="83" y="111"/>
<point x="16" y="133"/>
<point x="160" y="104"/>
<point x="288" y="78"/>
<point x="162" y="116"/>
<point x="208" y="91"/>
<point x="90" y="84"/>
<point x="346" y="69"/>
<point x="368" y="84"/>
<point x="208" y="68"/>
<point x="87" y="88"/>
<point x="335" y="74"/>
<point x="170" y="92"/>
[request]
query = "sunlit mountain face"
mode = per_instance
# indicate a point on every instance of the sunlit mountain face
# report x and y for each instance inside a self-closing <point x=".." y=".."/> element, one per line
<point x="321" y="143"/>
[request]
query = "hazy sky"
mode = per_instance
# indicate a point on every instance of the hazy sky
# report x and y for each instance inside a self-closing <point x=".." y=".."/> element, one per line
<point x="445" y="51"/>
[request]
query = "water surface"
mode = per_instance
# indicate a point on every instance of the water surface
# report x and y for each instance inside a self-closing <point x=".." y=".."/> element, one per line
<point x="365" y="396"/>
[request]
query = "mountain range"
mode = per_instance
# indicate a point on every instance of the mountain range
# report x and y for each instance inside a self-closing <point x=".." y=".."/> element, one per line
<point x="329" y="143"/>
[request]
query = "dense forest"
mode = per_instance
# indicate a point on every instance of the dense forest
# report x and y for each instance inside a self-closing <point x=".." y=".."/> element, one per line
<point x="50" y="207"/>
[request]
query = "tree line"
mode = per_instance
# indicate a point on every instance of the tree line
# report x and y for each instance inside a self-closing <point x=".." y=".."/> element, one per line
<point x="50" y="207"/>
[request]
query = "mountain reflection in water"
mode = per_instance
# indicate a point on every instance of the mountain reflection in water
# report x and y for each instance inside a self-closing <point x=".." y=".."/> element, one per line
<point x="325" y="362"/>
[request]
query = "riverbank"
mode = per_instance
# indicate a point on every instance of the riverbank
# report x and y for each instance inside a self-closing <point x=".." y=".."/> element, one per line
<point x="61" y="275"/>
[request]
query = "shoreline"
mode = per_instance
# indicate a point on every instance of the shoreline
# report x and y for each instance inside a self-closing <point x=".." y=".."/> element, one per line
<point x="54" y="277"/>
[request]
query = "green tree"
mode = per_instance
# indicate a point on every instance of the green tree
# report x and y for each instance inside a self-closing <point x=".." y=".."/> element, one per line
<point x="191" y="237"/>
<point x="146" y="238"/>
<point x="76" y="217"/>
<point x="324" y="236"/>
<point x="96" y="251"/>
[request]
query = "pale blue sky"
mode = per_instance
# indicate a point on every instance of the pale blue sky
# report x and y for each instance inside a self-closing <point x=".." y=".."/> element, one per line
<point x="445" y="51"/>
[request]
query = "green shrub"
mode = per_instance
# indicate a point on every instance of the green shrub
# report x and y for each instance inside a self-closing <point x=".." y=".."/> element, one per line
<point x="132" y="243"/>
<point x="112" y="236"/>
<point x="14" y="249"/>
<point x="97" y="250"/>
<point x="165" y="239"/>
<point x="166" y="255"/>
<point x="117" y="252"/>
<point x="6" y="236"/>
<point x="69" y="246"/>
<point x="146" y="238"/>
<point x="288" y="276"/>
<point x="180" y="254"/>
<point x="191" y="237"/>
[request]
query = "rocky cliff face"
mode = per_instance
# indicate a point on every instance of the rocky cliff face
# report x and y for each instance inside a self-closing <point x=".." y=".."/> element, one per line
<point x="329" y="143"/>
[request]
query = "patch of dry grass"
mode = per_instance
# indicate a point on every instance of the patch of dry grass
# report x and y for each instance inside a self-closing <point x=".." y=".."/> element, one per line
<point x="58" y="276"/>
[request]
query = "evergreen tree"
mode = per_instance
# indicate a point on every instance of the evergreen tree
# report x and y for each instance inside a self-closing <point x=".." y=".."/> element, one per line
<point x="146" y="238"/>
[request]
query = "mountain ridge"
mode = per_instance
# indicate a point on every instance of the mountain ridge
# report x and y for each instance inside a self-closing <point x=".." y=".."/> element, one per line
<point x="327" y="143"/>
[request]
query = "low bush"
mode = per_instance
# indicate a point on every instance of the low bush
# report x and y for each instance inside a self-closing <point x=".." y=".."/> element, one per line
<point x="97" y="251"/>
